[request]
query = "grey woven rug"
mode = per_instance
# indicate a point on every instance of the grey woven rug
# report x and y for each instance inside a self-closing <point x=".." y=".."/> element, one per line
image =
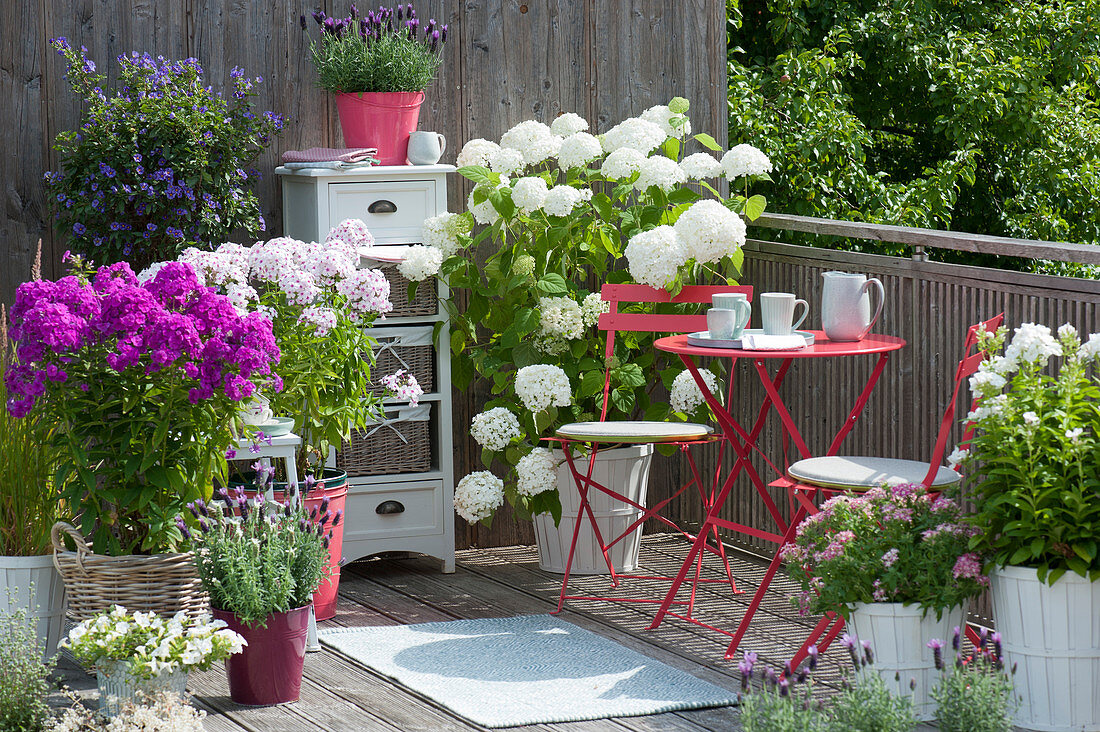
<point x="505" y="672"/>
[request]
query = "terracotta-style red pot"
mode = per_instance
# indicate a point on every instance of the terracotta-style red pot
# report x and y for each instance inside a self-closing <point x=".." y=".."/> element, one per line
<point x="269" y="669"/>
<point x="382" y="120"/>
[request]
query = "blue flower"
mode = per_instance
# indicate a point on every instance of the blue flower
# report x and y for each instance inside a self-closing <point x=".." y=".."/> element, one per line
<point x="79" y="228"/>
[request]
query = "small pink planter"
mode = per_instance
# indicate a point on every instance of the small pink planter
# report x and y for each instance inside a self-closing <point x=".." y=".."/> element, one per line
<point x="382" y="120"/>
<point x="269" y="670"/>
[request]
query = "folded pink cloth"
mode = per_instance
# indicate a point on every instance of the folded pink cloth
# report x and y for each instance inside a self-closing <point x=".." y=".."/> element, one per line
<point x="329" y="154"/>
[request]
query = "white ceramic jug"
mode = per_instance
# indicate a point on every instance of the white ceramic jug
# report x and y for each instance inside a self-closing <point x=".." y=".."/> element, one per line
<point x="846" y="305"/>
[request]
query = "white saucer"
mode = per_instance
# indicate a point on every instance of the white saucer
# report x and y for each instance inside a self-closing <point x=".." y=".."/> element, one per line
<point x="703" y="338"/>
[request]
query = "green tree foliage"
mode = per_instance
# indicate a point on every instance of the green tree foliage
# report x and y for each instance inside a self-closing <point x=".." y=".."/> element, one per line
<point x="973" y="115"/>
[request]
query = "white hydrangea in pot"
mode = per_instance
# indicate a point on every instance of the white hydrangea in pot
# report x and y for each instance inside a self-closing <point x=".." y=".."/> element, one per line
<point x="556" y="207"/>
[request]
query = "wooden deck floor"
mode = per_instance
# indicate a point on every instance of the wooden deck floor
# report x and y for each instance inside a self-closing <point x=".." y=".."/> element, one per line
<point x="339" y="694"/>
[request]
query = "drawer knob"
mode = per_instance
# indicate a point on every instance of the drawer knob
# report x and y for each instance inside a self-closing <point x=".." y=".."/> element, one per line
<point x="390" y="507"/>
<point x="381" y="207"/>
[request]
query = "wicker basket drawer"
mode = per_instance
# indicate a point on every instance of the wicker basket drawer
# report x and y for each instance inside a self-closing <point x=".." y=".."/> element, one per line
<point x="409" y="349"/>
<point x="400" y="443"/>
<point x="425" y="302"/>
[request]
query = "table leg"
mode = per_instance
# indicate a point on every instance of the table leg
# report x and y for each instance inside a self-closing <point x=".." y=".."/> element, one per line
<point x="850" y="422"/>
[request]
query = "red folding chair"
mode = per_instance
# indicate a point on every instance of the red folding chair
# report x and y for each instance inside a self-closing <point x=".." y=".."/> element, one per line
<point x="810" y="480"/>
<point x="603" y="434"/>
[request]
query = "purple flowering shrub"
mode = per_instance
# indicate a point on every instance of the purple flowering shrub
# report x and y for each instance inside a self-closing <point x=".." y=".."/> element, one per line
<point x="142" y="380"/>
<point x="162" y="162"/>
<point x="890" y="544"/>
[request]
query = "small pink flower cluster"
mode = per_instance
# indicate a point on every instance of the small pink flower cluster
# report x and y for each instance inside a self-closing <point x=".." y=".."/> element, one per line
<point x="969" y="566"/>
<point x="404" y="386"/>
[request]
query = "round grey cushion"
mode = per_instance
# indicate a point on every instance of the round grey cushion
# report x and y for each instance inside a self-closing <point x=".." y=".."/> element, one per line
<point x="866" y="472"/>
<point x="639" y="431"/>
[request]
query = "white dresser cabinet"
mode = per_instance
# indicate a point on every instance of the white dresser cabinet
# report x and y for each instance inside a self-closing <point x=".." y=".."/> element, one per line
<point x="408" y="508"/>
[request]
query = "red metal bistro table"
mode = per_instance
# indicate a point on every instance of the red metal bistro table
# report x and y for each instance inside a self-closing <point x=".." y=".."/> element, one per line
<point x="744" y="442"/>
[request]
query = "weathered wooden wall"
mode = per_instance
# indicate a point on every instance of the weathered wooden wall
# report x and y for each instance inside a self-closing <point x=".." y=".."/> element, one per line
<point x="507" y="61"/>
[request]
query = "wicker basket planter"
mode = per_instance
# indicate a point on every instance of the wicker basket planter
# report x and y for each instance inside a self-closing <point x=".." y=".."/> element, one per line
<point x="426" y="301"/>
<point x="408" y="349"/>
<point x="400" y="443"/>
<point x="161" y="583"/>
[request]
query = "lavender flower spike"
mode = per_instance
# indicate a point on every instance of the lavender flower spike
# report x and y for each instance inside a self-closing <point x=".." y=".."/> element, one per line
<point x="813" y="653"/>
<point x="937" y="652"/>
<point x="955" y="639"/>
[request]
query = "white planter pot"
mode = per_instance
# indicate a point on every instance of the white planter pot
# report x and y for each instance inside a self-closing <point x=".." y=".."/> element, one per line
<point x="1052" y="634"/>
<point x="47" y="605"/>
<point x="899" y="636"/>
<point x="117" y="686"/>
<point x="625" y="470"/>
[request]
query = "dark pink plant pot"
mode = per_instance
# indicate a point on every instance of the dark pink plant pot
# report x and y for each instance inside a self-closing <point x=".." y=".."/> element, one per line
<point x="383" y="120"/>
<point x="269" y="670"/>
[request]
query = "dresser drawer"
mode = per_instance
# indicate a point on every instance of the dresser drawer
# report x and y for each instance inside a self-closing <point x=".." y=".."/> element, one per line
<point x="386" y="511"/>
<point x="399" y="208"/>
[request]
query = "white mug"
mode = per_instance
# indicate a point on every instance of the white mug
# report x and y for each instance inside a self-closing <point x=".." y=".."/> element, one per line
<point x="425" y="148"/>
<point x="728" y="324"/>
<point x="777" y="312"/>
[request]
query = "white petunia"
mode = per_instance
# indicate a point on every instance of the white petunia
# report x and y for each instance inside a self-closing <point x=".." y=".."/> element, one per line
<point x="542" y="386"/>
<point x="494" y="429"/>
<point x="685" y="395"/>
<point x="529" y="193"/>
<point x="662" y="116"/>
<point x="561" y="200"/>
<point x="622" y="163"/>
<point x="568" y="124"/>
<point x="700" y="166"/>
<point x="476" y="152"/>
<point x="420" y="262"/>
<point x="661" y="172"/>
<point x="653" y="257"/>
<point x="536" y="472"/>
<point x="578" y="149"/>
<point x="506" y="161"/>
<point x="637" y="134"/>
<point x="478" y="495"/>
<point x="533" y="139"/>
<point x="442" y="231"/>
<point x="745" y="160"/>
<point x="710" y="231"/>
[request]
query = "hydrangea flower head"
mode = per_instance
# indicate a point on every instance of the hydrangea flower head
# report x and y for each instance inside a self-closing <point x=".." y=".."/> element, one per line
<point x="622" y="163"/>
<point x="536" y="472"/>
<point x="476" y="152"/>
<point x="634" y="133"/>
<point x="699" y="166"/>
<point x="533" y="139"/>
<point x="685" y="395"/>
<point x="478" y="495"/>
<point x="569" y="123"/>
<point x="659" y="171"/>
<point x="578" y="149"/>
<point x="495" y="429"/>
<point x="710" y="231"/>
<point x="542" y="386"/>
<point x="745" y="160"/>
<point x="529" y="194"/>
<point x="654" y="257"/>
<point x="662" y="116"/>
<point x="420" y="262"/>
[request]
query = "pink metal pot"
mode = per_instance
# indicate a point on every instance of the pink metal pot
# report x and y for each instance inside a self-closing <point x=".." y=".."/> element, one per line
<point x="269" y="670"/>
<point x="382" y="120"/>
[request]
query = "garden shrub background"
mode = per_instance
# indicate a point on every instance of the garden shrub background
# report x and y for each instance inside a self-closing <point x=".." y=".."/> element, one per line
<point x="973" y="115"/>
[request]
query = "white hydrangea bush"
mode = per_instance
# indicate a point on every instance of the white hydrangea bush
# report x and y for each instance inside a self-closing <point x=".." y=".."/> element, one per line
<point x="558" y="208"/>
<point x="685" y="396"/>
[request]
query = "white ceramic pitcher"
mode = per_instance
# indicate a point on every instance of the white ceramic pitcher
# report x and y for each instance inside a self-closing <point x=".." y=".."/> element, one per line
<point x="846" y="305"/>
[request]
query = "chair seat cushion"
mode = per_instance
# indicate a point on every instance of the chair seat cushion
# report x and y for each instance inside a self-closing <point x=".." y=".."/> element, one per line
<point x="640" y="431"/>
<point x="866" y="472"/>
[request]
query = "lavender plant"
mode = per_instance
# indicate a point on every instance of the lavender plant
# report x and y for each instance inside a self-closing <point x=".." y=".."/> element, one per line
<point x="258" y="557"/>
<point x="866" y="704"/>
<point x="385" y="50"/>
<point x="785" y="701"/>
<point x="163" y="161"/>
<point x="975" y="693"/>
<point x="894" y="544"/>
